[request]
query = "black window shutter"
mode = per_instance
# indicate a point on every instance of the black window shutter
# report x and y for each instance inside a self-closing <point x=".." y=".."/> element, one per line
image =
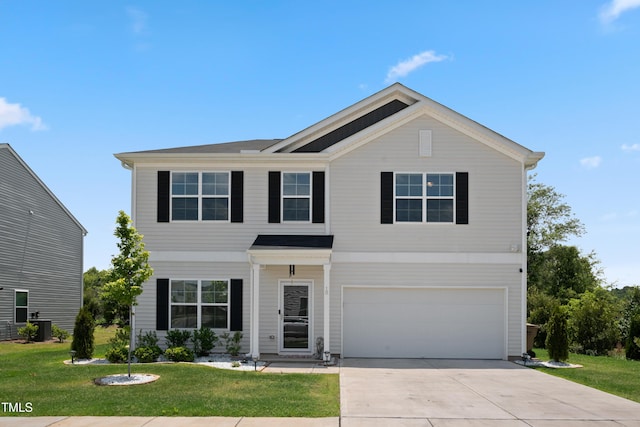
<point x="462" y="197"/>
<point x="274" y="197"/>
<point x="162" y="304"/>
<point x="163" y="195"/>
<point x="386" y="197"/>
<point x="236" y="305"/>
<point x="237" y="196"/>
<point x="317" y="215"/>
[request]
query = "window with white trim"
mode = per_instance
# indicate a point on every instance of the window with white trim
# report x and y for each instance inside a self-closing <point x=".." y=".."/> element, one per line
<point x="424" y="197"/>
<point x="198" y="303"/>
<point x="296" y="196"/>
<point x="22" y="306"/>
<point x="200" y="196"/>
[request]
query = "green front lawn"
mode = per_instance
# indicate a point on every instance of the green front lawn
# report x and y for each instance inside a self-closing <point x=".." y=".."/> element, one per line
<point x="35" y="373"/>
<point x="613" y="375"/>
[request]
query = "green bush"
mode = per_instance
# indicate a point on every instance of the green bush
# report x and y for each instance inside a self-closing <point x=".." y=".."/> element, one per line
<point x="557" y="335"/>
<point x="632" y="348"/>
<point x="59" y="333"/>
<point x="177" y="338"/>
<point x="179" y="354"/>
<point x="204" y="340"/>
<point x="117" y="354"/>
<point x="232" y="342"/>
<point x="118" y="351"/>
<point x="147" y="350"/>
<point x="147" y="354"/>
<point x="592" y="322"/>
<point x="29" y="332"/>
<point x="83" y="340"/>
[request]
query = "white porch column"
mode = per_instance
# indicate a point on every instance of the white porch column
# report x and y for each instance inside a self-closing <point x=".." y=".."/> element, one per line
<point x="255" y="312"/>
<point x="327" y="309"/>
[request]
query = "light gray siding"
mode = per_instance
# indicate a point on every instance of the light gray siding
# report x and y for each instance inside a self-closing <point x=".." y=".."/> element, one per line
<point x="495" y="194"/>
<point x="41" y="249"/>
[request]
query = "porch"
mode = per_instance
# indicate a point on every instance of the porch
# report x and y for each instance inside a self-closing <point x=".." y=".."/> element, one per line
<point x="290" y="295"/>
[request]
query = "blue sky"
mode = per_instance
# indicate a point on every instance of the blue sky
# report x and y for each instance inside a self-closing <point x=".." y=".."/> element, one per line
<point x="82" y="80"/>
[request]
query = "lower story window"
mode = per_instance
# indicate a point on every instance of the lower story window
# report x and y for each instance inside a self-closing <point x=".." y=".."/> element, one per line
<point x="22" y="306"/>
<point x="198" y="303"/>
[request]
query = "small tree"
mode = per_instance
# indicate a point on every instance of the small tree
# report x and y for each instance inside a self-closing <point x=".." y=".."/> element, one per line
<point x="83" y="330"/>
<point x="130" y="269"/>
<point x="557" y="335"/>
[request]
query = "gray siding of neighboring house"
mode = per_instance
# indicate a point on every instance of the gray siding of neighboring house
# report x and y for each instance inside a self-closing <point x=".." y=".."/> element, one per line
<point x="40" y="251"/>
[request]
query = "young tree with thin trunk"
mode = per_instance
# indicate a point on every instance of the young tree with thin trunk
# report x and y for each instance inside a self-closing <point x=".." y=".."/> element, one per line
<point x="130" y="269"/>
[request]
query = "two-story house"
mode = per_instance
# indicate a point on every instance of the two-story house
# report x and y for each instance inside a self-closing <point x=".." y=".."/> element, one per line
<point x="41" y="251"/>
<point x="393" y="228"/>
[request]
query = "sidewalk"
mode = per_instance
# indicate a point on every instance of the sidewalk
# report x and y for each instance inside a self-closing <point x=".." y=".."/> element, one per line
<point x="165" y="421"/>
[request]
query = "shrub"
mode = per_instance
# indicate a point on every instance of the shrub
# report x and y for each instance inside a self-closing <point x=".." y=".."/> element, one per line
<point x="232" y="342"/>
<point x="118" y="351"/>
<point x="557" y="336"/>
<point x="83" y="330"/>
<point x="592" y="322"/>
<point x="177" y="338"/>
<point x="117" y="354"/>
<point x="204" y="340"/>
<point x="148" y="349"/>
<point x="633" y="340"/>
<point x="29" y="332"/>
<point x="59" y="333"/>
<point x="147" y="354"/>
<point x="179" y="354"/>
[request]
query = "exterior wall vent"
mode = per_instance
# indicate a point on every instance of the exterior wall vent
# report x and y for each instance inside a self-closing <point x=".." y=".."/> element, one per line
<point x="425" y="143"/>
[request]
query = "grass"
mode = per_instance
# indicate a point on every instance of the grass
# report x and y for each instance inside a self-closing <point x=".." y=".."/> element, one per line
<point x="35" y="373"/>
<point x="614" y="375"/>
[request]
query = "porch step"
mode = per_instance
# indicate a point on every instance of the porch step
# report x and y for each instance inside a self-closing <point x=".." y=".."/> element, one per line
<point x="289" y="359"/>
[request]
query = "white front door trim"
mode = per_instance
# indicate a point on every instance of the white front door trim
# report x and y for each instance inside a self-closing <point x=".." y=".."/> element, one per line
<point x="310" y="303"/>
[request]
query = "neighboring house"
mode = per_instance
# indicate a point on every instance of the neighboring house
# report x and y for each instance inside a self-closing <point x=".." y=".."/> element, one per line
<point x="40" y="251"/>
<point x="393" y="228"/>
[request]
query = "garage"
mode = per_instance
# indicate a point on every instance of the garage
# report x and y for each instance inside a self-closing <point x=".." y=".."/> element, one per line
<point x="441" y="323"/>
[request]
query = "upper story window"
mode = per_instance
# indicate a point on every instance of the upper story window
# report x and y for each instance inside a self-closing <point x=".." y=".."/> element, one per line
<point x="22" y="306"/>
<point x="296" y="196"/>
<point x="200" y="196"/>
<point x="424" y="197"/>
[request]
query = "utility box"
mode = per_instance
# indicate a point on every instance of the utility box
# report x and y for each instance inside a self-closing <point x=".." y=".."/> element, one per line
<point x="44" y="330"/>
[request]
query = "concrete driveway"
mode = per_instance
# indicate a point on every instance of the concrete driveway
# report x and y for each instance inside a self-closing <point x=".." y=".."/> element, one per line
<point x="451" y="393"/>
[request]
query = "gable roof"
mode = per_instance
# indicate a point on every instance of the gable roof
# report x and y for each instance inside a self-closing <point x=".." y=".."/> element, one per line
<point x="43" y="185"/>
<point x="354" y="126"/>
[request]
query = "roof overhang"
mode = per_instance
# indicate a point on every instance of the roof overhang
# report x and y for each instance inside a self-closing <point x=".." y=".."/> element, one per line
<point x="291" y="250"/>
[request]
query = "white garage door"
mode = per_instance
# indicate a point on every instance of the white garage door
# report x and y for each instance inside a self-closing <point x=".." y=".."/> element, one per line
<point x="424" y="323"/>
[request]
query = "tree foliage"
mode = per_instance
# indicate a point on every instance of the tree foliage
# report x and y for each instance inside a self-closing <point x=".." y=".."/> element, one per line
<point x="557" y="337"/>
<point x="130" y="268"/>
<point x="592" y="322"/>
<point x="550" y="220"/>
<point x="564" y="273"/>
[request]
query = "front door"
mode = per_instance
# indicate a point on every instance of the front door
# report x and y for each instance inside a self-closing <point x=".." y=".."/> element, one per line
<point x="295" y="317"/>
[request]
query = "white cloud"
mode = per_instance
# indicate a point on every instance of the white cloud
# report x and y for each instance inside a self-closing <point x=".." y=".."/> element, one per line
<point x="630" y="148"/>
<point x="15" y="114"/>
<point x="591" y="162"/>
<point x="612" y="10"/>
<point x="138" y="20"/>
<point x="403" y="68"/>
